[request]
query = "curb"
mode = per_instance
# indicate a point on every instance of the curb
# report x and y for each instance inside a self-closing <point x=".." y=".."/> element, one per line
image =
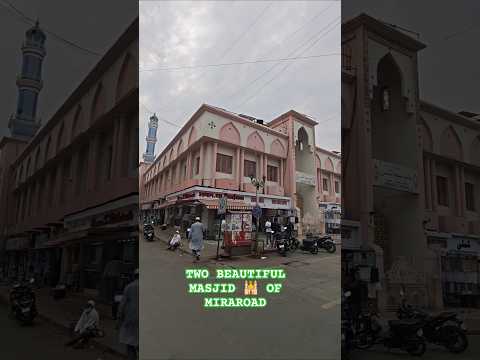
<point x="105" y="348"/>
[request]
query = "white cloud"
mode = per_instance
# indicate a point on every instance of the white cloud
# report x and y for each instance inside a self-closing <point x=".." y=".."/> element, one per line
<point x="193" y="33"/>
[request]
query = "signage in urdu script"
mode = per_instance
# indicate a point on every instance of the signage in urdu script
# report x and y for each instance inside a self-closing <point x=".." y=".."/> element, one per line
<point x="394" y="176"/>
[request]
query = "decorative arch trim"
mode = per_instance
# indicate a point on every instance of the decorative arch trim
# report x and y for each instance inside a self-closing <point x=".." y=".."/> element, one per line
<point x="450" y="144"/>
<point x="255" y="142"/>
<point x="277" y="149"/>
<point x="230" y="133"/>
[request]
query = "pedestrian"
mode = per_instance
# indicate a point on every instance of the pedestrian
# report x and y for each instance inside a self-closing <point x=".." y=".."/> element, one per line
<point x="175" y="241"/>
<point x="86" y="326"/>
<point x="196" y="238"/>
<point x="128" y="318"/>
<point x="268" y="233"/>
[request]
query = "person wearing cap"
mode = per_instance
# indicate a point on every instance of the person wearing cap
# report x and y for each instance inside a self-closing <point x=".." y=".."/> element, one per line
<point x="86" y="325"/>
<point x="128" y="318"/>
<point x="175" y="242"/>
<point x="196" y="238"/>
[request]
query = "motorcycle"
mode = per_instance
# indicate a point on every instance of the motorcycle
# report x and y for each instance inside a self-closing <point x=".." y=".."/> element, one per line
<point x="406" y="334"/>
<point x="444" y="329"/>
<point x="314" y="243"/>
<point x="22" y="302"/>
<point x="148" y="232"/>
<point x="285" y="242"/>
<point x="346" y="327"/>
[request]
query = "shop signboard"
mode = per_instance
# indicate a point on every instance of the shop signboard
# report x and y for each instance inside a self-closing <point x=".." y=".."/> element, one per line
<point x="394" y="176"/>
<point x="304" y="178"/>
<point x="222" y="205"/>
<point x="460" y="244"/>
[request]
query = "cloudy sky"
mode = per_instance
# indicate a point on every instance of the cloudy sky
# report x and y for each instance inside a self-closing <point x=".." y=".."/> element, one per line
<point x="449" y="73"/>
<point x="88" y="23"/>
<point x="178" y="34"/>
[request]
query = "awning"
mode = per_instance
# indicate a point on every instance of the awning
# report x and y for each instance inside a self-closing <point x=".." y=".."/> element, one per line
<point x="212" y="204"/>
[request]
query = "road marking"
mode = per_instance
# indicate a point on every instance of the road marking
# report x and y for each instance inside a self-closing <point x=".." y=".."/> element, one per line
<point x="331" y="304"/>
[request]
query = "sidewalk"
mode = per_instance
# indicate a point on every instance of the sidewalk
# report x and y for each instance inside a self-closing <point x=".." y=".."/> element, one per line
<point x="66" y="311"/>
<point x="210" y="246"/>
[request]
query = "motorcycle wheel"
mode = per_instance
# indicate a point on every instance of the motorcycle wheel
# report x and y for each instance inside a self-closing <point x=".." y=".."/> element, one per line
<point x="331" y="248"/>
<point x="457" y="340"/>
<point x="417" y="349"/>
<point x="364" y="340"/>
<point x="314" y="250"/>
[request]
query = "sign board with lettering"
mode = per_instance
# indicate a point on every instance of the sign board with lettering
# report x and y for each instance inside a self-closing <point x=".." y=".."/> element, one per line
<point x="304" y="178"/>
<point x="394" y="176"/>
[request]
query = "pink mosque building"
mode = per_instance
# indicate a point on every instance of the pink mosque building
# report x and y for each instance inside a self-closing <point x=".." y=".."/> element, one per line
<point x="411" y="175"/>
<point x="69" y="190"/>
<point x="217" y="151"/>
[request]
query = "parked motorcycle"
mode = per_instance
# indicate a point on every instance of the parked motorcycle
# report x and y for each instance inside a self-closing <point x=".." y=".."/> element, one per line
<point x="314" y="243"/>
<point x="285" y="241"/>
<point x="444" y="329"/>
<point x="22" y="302"/>
<point x="406" y="334"/>
<point x="347" y="344"/>
<point x="148" y="232"/>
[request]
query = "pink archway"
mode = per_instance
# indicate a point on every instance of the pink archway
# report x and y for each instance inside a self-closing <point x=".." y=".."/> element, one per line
<point x="128" y="77"/>
<point x="450" y="144"/>
<point x="180" y="147"/>
<point x="255" y="142"/>
<point x="318" y="162"/>
<point x="277" y="149"/>
<point x="339" y="167"/>
<point x="230" y="133"/>
<point x="427" y="137"/>
<point x="192" y="136"/>
<point x="475" y="151"/>
<point x="329" y="165"/>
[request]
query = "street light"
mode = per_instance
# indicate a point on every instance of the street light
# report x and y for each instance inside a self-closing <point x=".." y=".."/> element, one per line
<point x="258" y="184"/>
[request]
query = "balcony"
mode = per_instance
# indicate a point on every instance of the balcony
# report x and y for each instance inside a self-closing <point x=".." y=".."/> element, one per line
<point x="275" y="190"/>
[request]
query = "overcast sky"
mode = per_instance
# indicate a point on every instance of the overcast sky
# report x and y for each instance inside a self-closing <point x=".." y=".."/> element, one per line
<point x="89" y="23"/>
<point x="176" y="34"/>
<point x="449" y="68"/>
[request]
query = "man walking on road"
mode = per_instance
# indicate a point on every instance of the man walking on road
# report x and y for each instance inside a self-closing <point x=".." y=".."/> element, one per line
<point x="128" y="318"/>
<point x="196" y="238"/>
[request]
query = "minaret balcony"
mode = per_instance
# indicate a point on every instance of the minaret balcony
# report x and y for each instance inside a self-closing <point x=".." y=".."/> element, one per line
<point x="30" y="83"/>
<point x="151" y="139"/>
<point x="33" y="46"/>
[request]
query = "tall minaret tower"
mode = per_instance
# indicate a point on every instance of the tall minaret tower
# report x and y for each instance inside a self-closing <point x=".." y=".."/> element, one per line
<point x="24" y="124"/>
<point x="149" y="154"/>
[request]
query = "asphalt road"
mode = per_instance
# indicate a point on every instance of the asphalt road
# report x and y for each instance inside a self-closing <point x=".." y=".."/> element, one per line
<point x="40" y="341"/>
<point x="302" y="322"/>
<point x="433" y="353"/>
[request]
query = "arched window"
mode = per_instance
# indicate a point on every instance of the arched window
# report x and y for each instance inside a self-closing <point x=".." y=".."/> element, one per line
<point x="75" y="123"/>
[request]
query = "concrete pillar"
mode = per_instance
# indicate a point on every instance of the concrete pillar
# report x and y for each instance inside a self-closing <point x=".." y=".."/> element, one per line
<point x="201" y="163"/>
<point x="214" y="164"/>
<point x="458" y="191"/>
<point x="462" y="192"/>
<point x="265" y="164"/>
<point x="242" y="161"/>
<point x="280" y="175"/>
<point x="433" y="170"/>
<point x="428" y="183"/>
<point x="189" y="165"/>
<point x="237" y="168"/>
<point x="92" y="162"/>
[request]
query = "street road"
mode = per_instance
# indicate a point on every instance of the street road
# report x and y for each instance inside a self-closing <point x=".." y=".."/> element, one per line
<point x="302" y="322"/>
<point x="40" y="341"/>
<point x="433" y="353"/>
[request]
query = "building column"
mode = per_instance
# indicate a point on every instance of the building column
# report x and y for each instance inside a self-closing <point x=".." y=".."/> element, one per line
<point x="214" y="163"/>
<point x="458" y="192"/>
<point x="201" y="162"/>
<point x="189" y="165"/>
<point x="428" y="183"/>
<point x="461" y="184"/>
<point x="237" y="168"/>
<point x="92" y="162"/>
<point x="433" y="171"/>
<point x="281" y="175"/>
<point x="119" y="144"/>
<point x="242" y="161"/>
<point x="265" y="173"/>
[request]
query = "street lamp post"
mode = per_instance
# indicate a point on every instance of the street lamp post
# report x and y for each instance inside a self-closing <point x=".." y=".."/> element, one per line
<point x="258" y="184"/>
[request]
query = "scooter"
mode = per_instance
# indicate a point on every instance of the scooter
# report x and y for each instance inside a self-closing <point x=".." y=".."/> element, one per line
<point x="148" y="233"/>
<point x="22" y="302"/>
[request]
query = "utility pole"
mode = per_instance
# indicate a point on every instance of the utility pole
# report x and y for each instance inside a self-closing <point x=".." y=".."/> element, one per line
<point x="257" y="210"/>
